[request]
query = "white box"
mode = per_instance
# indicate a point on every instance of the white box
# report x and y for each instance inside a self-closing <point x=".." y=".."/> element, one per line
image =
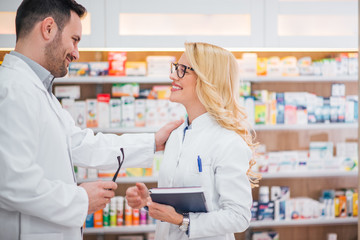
<point x="79" y="110"/>
<point x="67" y="92"/>
<point x="151" y="117"/>
<point x="115" y="113"/>
<point x="103" y="111"/>
<point x="128" y="111"/>
<point x="140" y="112"/>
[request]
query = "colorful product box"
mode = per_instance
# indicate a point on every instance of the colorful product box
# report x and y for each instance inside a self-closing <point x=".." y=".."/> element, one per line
<point x="79" y="69"/>
<point x="103" y="110"/>
<point x="135" y="68"/>
<point x="140" y="111"/>
<point x="91" y="113"/>
<point x="266" y="211"/>
<point x="260" y="112"/>
<point x="117" y="61"/>
<point x="280" y="108"/>
<point x="99" y="68"/>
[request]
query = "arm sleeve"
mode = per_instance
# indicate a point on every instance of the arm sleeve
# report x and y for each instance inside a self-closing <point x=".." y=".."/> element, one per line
<point x="234" y="192"/>
<point x="101" y="150"/>
<point x="23" y="185"/>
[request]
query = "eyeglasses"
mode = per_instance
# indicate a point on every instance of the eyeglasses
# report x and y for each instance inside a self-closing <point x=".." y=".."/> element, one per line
<point x="120" y="160"/>
<point x="180" y="69"/>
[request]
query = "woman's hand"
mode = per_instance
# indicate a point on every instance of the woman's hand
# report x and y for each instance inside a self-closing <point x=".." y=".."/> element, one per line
<point x="164" y="213"/>
<point x="137" y="196"/>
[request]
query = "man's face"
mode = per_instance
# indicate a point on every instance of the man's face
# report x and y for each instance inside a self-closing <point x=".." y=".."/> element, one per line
<point x="64" y="48"/>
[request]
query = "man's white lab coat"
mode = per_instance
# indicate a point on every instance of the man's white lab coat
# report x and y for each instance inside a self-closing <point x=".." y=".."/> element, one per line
<point x="225" y="159"/>
<point x="39" y="143"/>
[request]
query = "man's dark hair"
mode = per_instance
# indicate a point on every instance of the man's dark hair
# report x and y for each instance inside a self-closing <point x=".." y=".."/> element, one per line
<point x="31" y="12"/>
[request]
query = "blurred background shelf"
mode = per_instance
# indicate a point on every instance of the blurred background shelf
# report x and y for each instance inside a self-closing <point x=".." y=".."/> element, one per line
<point x="304" y="222"/>
<point x="121" y="229"/>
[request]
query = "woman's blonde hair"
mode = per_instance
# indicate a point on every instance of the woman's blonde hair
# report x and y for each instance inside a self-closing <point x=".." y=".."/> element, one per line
<point x="218" y="90"/>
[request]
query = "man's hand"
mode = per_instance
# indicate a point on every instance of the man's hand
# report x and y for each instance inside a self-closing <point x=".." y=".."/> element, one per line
<point x="163" y="134"/>
<point x="137" y="196"/>
<point x="99" y="194"/>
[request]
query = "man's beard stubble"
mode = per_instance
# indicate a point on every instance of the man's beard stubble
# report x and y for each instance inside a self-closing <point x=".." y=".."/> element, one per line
<point x="54" y="53"/>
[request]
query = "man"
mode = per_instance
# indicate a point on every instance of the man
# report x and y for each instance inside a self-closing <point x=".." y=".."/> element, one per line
<point x="39" y="143"/>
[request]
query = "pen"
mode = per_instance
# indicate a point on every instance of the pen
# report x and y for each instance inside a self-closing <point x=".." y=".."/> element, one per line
<point x="199" y="163"/>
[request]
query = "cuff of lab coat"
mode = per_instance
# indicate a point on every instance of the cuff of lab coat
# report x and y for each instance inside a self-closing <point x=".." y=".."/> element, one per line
<point x="85" y="206"/>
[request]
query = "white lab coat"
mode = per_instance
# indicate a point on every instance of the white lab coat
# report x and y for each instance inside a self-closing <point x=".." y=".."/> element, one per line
<point x="225" y="159"/>
<point x="39" y="143"/>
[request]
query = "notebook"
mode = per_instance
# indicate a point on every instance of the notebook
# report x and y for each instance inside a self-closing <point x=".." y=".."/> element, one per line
<point x="183" y="199"/>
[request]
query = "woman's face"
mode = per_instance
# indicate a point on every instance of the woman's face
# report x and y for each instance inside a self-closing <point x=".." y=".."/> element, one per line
<point x="183" y="89"/>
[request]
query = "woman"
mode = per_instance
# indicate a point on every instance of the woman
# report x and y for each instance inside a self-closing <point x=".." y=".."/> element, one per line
<point x="206" y="82"/>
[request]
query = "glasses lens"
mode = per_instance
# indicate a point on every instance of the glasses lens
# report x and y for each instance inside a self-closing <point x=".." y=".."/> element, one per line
<point x="181" y="71"/>
<point x="173" y="67"/>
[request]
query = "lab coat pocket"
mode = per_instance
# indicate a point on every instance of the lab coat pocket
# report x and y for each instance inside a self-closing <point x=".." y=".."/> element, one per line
<point x="42" y="236"/>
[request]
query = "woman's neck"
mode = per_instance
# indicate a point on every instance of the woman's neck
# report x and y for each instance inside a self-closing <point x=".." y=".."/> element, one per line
<point x="195" y="111"/>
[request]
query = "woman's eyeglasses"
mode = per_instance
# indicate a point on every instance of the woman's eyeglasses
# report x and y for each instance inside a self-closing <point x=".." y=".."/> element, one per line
<point x="180" y="69"/>
<point x="120" y="160"/>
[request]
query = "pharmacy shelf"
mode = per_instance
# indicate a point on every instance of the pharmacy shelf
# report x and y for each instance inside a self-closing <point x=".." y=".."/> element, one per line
<point x="144" y="179"/>
<point x="294" y="174"/>
<point x="315" y="126"/>
<point x="278" y="127"/>
<point x="256" y="224"/>
<point x="166" y="79"/>
<point x="127" y="130"/>
<point x="304" y="222"/>
<point x="309" y="174"/>
<point x="301" y="79"/>
<point x="113" y="79"/>
<point x="121" y="230"/>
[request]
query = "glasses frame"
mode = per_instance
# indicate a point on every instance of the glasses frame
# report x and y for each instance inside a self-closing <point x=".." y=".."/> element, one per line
<point x="120" y="161"/>
<point x="176" y="65"/>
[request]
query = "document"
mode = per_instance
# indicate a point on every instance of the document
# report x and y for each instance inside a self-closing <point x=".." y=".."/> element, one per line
<point x="183" y="199"/>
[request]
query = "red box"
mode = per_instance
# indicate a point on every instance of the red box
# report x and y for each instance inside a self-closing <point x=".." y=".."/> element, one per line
<point x="117" y="62"/>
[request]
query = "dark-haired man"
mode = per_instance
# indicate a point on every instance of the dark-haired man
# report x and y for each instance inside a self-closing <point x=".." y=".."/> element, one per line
<point x="39" y="143"/>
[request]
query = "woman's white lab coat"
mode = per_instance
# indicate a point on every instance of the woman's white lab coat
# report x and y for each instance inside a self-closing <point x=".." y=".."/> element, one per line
<point x="39" y="143"/>
<point x="225" y="159"/>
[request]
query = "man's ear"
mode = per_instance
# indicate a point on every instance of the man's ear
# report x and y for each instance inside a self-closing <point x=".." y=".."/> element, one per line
<point x="48" y="28"/>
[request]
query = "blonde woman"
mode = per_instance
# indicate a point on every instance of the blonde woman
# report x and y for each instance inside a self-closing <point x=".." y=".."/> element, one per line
<point x="206" y="82"/>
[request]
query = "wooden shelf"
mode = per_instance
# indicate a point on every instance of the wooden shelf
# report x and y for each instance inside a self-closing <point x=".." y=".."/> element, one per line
<point x="279" y="127"/>
<point x="315" y="126"/>
<point x="309" y="174"/>
<point x="256" y="224"/>
<point x="113" y="79"/>
<point x="294" y="174"/>
<point x="145" y="179"/>
<point x="310" y="78"/>
<point x="127" y="130"/>
<point x="121" y="230"/>
<point x="166" y="79"/>
<point x="304" y="222"/>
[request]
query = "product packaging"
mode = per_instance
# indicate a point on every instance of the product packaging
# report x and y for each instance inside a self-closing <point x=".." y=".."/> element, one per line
<point x="117" y="62"/>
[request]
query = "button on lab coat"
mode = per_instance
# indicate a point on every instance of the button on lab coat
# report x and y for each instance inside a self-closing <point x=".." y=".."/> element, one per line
<point x="39" y="143"/>
<point x="225" y="160"/>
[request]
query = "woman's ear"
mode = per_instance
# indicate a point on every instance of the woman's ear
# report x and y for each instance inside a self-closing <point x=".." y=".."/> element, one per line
<point x="48" y="28"/>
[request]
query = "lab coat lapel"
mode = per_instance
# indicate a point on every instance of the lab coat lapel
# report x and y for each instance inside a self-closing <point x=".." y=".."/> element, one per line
<point x="20" y="66"/>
